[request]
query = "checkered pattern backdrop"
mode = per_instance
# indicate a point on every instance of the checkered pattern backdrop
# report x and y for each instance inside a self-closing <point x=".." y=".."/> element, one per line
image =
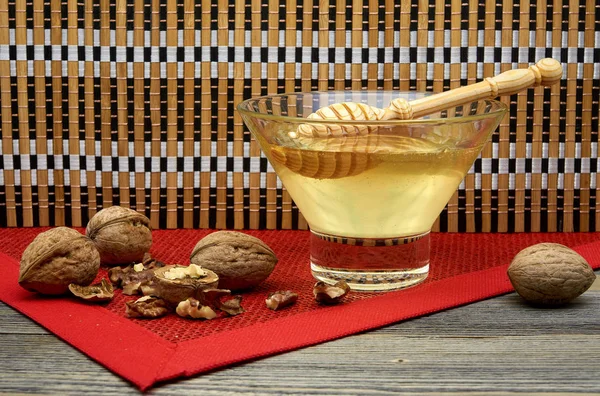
<point x="133" y="103"/>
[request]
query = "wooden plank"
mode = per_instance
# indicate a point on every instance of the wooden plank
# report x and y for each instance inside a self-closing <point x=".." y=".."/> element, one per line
<point x="171" y="113"/>
<point x="238" y="124"/>
<point x="189" y="69"/>
<point x="90" y="101"/>
<point x="531" y="350"/>
<point x="23" y="116"/>
<point x="139" y="114"/>
<point x="121" y="110"/>
<point x="155" y="117"/>
<point x="105" y="106"/>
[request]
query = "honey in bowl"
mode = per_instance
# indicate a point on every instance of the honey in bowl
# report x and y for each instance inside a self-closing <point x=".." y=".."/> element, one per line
<point x="375" y="187"/>
<point x="370" y="191"/>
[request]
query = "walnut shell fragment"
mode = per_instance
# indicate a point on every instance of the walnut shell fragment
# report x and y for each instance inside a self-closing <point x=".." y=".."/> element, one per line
<point x="176" y="290"/>
<point x="121" y="235"/>
<point x="233" y="306"/>
<point x="240" y="260"/>
<point x="281" y="299"/>
<point x="330" y="294"/>
<point x="148" y="307"/>
<point x="94" y="293"/>
<point x="57" y="258"/>
<point x="135" y="277"/>
<point x="550" y="274"/>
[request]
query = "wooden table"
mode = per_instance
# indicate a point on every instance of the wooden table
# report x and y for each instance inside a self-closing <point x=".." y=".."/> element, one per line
<point x="495" y="347"/>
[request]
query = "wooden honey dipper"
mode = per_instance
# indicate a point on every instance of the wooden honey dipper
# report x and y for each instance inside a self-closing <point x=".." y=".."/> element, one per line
<point x="546" y="72"/>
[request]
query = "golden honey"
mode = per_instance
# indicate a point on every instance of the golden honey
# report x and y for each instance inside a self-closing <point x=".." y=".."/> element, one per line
<point x="370" y="186"/>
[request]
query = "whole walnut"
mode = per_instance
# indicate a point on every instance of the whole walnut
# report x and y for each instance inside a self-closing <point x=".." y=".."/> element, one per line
<point x="121" y="235"/>
<point x="240" y="260"/>
<point x="57" y="258"/>
<point x="550" y="274"/>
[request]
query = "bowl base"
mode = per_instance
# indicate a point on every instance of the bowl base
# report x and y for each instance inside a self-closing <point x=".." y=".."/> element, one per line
<point x="372" y="281"/>
<point x="370" y="264"/>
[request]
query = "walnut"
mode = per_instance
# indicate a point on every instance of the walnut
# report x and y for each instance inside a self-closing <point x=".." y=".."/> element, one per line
<point x="241" y="261"/>
<point x="94" y="293"/>
<point x="550" y="274"/>
<point x="121" y="235"/>
<point x="177" y="290"/>
<point x="149" y="307"/>
<point x="192" y="308"/>
<point x="281" y="299"/>
<point x="57" y="258"/>
<point x="330" y="294"/>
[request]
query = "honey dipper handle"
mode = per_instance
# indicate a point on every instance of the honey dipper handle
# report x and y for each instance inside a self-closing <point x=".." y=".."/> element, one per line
<point x="546" y="72"/>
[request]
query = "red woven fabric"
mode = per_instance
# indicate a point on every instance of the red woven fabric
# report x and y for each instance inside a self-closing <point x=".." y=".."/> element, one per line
<point x="464" y="268"/>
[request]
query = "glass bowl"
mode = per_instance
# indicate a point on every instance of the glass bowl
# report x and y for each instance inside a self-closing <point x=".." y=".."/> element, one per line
<point x="369" y="189"/>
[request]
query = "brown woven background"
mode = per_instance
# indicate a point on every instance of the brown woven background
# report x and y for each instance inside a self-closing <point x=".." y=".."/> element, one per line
<point x="88" y="89"/>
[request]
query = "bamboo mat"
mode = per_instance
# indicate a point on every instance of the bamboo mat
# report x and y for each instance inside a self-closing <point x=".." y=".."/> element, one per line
<point x="132" y="103"/>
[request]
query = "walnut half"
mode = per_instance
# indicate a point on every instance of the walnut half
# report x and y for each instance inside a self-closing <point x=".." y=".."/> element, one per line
<point x="181" y="288"/>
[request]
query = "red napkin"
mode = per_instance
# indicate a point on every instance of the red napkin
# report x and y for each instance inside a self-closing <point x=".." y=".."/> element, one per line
<point x="464" y="268"/>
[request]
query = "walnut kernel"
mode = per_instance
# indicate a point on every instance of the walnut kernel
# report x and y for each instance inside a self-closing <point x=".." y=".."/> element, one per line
<point x="330" y="294"/>
<point x="281" y="299"/>
<point x="191" y="271"/>
<point x="146" y="307"/>
<point x="192" y="308"/>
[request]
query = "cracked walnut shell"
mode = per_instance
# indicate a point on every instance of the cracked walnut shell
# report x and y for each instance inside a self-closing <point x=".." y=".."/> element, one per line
<point x="121" y="235"/>
<point x="99" y="292"/>
<point x="550" y="274"/>
<point x="176" y="290"/>
<point x="57" y="258"/>
<point x="240" y="260"/>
